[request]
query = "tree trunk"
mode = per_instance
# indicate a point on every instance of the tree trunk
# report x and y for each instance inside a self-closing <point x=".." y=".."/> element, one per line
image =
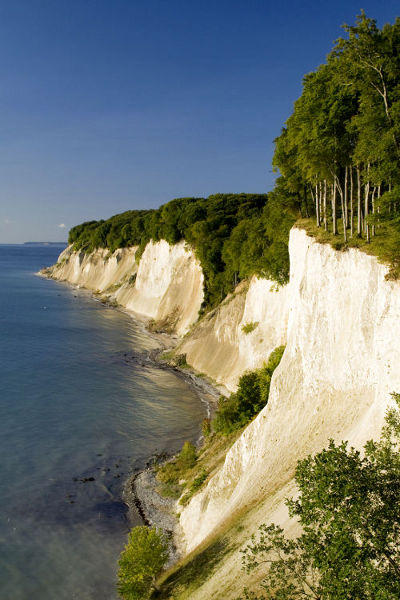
<point x="346" y="216"/>
<point x="379" y="210"/>
<point x="351" y="202"/>
<point x="373" y="210"/>
<point x="317" y="206"/>
<point x="359" y="221"/>
<point x="325" y="216"/>
<point x="366" y="208"/>
<point x="334" y="222"/>
<point x="342" y="197"/>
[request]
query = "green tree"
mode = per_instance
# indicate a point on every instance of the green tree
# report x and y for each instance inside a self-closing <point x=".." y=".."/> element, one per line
<point x="140" y="562"/>
<point x="349" y="510"/>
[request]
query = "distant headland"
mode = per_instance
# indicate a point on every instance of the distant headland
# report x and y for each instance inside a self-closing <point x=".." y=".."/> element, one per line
<point x="45" y="243"/>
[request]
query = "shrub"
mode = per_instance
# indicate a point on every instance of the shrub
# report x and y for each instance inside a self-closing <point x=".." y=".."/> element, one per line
<point x="349" y="508"/>
<point x="173" y="471"/>
<point x="142" y="559"/>
<point x="180" y="360"/>
<point x="249" y="327"/>
<point x="188" y="455"/>
<point x="206" y="427"/>
<point x="251" y="396"/>
<point x="195" y="485"/>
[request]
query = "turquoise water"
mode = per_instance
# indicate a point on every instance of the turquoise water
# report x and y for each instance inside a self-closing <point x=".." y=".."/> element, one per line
<point x="74" y="404"/>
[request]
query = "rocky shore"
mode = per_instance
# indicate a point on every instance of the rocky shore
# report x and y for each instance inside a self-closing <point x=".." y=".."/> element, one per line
<point x="141" y="496"/>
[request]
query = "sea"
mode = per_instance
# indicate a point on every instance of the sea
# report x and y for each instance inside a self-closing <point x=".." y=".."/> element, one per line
<point x="80" y="412"/>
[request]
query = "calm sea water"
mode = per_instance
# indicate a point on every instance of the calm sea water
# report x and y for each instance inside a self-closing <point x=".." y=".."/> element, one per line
<point x="73" y="406"/>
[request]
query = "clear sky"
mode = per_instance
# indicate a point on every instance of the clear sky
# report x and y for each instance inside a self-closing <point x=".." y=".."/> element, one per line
<point x="110" y="105"/>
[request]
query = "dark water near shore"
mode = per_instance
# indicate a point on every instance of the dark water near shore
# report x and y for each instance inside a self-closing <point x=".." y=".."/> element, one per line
<point x="73" y="407"/>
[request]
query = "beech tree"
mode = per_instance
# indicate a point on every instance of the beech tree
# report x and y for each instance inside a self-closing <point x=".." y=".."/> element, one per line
<point x="349" y="510"/>
<point x="342" y="142"/>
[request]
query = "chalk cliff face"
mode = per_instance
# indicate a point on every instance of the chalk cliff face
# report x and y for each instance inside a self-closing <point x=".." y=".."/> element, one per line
<point x="241" y="333"/>
<point x="334" y="381"/>
<point x="98" y="271"/>
<point x="167" y="286"/>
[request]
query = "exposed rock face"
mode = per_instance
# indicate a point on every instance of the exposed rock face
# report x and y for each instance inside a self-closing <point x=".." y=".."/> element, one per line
<point x="167" y="286"/>
<point x="334" y="381"/>
<point x="241" y="333"/>
<point x="99" y="270"/>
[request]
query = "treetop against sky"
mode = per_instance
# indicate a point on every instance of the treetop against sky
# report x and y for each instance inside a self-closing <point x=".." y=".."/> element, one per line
<point x="107" y="107"/>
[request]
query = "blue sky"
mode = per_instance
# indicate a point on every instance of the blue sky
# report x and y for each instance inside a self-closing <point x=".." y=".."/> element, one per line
<point x="110" y="105"/>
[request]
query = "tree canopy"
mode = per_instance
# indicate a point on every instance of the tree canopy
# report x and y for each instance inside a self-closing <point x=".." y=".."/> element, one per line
<point x="140" y="562"/>
<point x="234" y="236"/>
<point x="339" y="160"/>
<point x="340" y="149"/>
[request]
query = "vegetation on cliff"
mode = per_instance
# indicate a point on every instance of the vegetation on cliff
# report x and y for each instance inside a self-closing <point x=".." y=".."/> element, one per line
<point x="183" y="475"/>
<point x="339" y="159"/>
<point x="349" y="510"/>
<point x="251" y="396"/>
<point x="234" y="236"/>
<point x="340" y="149"/>
<point x="141" y="561"/>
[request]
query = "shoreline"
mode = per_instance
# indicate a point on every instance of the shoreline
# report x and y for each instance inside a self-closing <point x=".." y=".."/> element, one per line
<point x="140" y="495"/>
<point x="139" y="491"/>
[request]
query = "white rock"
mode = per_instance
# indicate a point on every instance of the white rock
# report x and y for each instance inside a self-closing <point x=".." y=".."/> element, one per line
<point x="334" y="381"/>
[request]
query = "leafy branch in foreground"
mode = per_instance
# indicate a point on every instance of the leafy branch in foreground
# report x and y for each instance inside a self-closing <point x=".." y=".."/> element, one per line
<point x="349" y="510"/>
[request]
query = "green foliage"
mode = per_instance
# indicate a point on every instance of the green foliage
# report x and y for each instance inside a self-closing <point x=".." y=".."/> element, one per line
<point x="251" y="396"/>
<point x="234" y="236"/>
<point x="193" y="488"/>
<point x="179" y="360"/>
<point x="249" y="327"/>
<point x="206" y="427"/>
<point x="343" y="138"/>
<point x="140" y="562"/>
<point x="349" y="509"/>
<point x="171" y="473"/>
<point x="188" y="455"/>
<point x="198" y="482"/>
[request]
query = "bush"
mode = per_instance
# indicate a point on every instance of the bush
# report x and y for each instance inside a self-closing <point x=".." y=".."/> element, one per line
<point x="187" y="456"/>
<point x="252" y="395"/>
<point x="349" y="508"/>
<point x="206" y="427"/>
<point x="173" y="471"/>
<point x="144" y="556"/>
<point x="249" y="327"/>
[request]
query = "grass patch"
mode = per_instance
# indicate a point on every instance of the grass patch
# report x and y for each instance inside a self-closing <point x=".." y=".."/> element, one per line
<point x="249" y="327"/>
<point x="187" y="472"/>
<point x="189" y="574"/>
<point x="167" y="324"/>
<point x="380" y="245"/>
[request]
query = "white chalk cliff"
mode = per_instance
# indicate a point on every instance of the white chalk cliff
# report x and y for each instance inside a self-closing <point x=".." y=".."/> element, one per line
<point x="166" y="286"/>
<point x="339" y="368"/>
<point x="230" y="350"/>
<point x="340" y="321"/>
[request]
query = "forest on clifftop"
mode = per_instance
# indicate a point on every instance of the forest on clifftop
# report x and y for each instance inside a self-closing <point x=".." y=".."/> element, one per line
<point x="339" y="161"/>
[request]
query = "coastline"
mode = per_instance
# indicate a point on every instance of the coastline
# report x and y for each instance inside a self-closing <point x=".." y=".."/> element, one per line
<point x="139" y="491"/>
<point x="140" y="495"/>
